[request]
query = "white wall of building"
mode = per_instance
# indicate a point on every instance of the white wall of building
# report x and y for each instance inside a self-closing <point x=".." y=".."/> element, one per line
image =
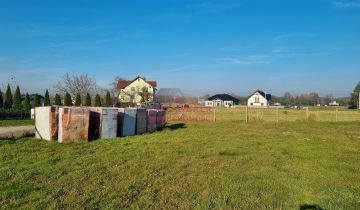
<point x="209" y="103"/>
<point x="257" y="100"/>
<point x="131" y="92"/>
<point x="219" y="103"/>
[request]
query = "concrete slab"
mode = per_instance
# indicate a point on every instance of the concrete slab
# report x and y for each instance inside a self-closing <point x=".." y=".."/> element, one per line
<point x="46" y="122"/>
<point x="16" y="131"/>
<point x="151" y="126"/>
<point x="103" y="123"/>
<point x="73" y="124"/>
<point x="129" y="124"/>
<point x="141" y="121"/>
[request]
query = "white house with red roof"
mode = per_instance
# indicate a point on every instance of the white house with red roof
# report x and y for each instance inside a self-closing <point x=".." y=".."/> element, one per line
<point x="136" y="91"/>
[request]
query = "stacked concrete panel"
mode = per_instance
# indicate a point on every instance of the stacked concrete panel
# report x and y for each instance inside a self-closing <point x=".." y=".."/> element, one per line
<point x="73" y="124"/>
<point x="46" y="122"/>
<point x="141" y="121"/>
<point x="160" y="119"/>
<point x="102" y="123"/>
<point x="129" y="122"/>
<point x="120" y="121"/>
<point x="151" y="125"/>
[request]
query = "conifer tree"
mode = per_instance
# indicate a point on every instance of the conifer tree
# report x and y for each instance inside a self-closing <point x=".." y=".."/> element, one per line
<point x="354" y="100"/>
<point x="36" y="101"/>
<point x="67" y="99"/>
<point x="107" y="99"/>
<point x="8" y="98"/>
<point x="57" y="100"/>
<point x="1" y="100"/>
<point x="47" y="99"/>
<point x="97" y="100"/>
<point x="26" y="102"/>
<point x="78" y="99"/>
<point x="17" y="99"/>
<point x="87" y="100"/>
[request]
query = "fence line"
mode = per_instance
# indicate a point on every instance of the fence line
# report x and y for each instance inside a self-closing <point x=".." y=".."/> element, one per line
<point x="248" y="114"/>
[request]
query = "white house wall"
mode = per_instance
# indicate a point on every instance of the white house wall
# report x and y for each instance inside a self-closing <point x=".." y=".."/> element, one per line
<point x="135" y="87"/>
<point x="219" y="103"/>
<point x="262" y="102"/>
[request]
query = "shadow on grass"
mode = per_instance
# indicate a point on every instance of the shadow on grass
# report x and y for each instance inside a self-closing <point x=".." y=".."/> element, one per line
<point x="310" y="207"/>
<point x="175" y="126"/>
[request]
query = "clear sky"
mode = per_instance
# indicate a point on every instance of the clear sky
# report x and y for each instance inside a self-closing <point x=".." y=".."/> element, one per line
<point x="200" y="46"/>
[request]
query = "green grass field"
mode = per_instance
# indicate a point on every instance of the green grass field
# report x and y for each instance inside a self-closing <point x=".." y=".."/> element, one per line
<point x="228" y="165"/>
<point x="6" y="123"/>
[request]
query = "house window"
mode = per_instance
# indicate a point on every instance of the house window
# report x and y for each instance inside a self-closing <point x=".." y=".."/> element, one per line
<point x="257" y="100"/>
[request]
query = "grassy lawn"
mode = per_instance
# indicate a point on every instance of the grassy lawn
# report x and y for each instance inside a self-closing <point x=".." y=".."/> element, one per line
<point x="6" y="123"/>
<point x="193" y="165"/>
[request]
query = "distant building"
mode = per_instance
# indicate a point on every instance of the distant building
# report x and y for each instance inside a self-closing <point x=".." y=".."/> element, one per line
<point x="136" y="91"/>
<point x="259" y="99"/>
<point x="333" y="103"/>
<point x="168" y="95"/>
<point x="221" y="100"/>
<point x="32" y="97"/>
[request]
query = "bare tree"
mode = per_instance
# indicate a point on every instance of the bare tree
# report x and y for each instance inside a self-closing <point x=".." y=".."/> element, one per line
<point x="114" y="90"/>
<point x="77" y="83"/>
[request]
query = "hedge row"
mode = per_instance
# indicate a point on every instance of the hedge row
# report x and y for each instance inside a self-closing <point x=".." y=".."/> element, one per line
<point x="14" y="114"/>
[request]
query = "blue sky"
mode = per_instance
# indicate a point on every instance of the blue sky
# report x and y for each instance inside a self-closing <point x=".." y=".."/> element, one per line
<point x="200" y="46"/>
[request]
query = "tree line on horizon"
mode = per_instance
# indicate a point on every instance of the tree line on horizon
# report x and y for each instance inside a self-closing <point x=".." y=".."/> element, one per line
<point x="16" y="101"/>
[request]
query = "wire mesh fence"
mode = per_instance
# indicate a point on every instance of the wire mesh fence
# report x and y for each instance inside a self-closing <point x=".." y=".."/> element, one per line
<point x="247" y="114"/>
<point x="14" y="115"/>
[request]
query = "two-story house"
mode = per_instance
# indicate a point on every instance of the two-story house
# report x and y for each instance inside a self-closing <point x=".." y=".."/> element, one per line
<point x="136" y="91"/>
<point x="259" y="99"/>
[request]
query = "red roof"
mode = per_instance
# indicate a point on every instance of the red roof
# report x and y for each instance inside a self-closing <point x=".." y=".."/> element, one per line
<point x="124" y="83"/>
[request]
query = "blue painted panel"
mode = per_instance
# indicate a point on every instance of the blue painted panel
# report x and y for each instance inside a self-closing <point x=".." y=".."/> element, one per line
<point x="129" y="126"/>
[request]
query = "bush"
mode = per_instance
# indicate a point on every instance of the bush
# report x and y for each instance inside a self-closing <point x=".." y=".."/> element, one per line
<point x="14" y="114"/>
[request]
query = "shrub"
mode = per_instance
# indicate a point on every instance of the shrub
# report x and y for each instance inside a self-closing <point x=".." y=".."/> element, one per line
<point x="87" y="100"/>
<point x="8" y="98"/>
<point x="57" y="100"/>
<point x="97" y="101"/>
<point x="47" y="99"/>
<point x="78" y="99"/>
<point x="36" y="101"/>
<point x="108" y="99"/>
<point x="17" y="99"/>
<point x="26" y="102"/>
<point x="14" y="114"/>
<point x="67" y="99"/>
<point x="1" y="100"/>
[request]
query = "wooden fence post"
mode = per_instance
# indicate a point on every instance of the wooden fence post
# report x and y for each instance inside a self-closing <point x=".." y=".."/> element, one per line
<point x="336" y="112"/>
<point x="307" y="113"/>
<point x="247" y="114"/>
<point x="214" y="114"/>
